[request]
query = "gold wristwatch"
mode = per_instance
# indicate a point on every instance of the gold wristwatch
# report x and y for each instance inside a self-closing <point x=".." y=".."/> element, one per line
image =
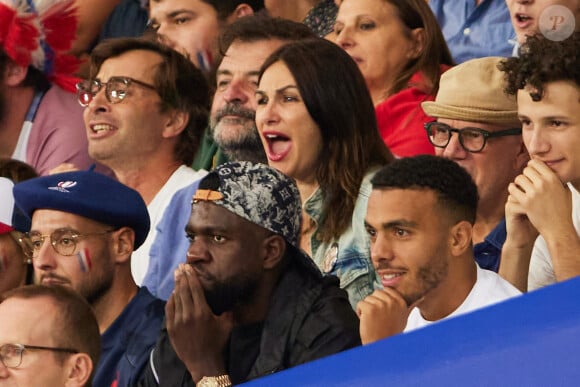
<point x="214" y="381"/>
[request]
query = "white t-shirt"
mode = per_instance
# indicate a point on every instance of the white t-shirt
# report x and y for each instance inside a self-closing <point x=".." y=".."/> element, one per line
<point x="182" y="177"/>
<point x="541" y="270"/>
<point x="489" y="289"/>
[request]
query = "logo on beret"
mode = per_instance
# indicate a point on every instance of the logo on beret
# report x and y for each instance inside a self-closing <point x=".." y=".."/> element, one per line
<point x="63" y="185"/>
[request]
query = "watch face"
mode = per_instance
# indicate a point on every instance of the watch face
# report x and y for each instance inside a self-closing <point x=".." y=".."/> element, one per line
<point x="214" y="381"/>
<point x="207" y="381"/>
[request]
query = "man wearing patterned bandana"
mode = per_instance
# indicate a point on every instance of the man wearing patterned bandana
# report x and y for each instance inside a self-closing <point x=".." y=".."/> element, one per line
<point x="248" y="302"/>
<point x="40" y="120"/>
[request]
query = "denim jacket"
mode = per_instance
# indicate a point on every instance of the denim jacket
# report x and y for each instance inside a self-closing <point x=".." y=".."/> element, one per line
<point x="349" y="256"/>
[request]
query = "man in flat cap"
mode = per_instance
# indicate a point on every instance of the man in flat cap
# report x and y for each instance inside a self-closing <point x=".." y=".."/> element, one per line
<point x="248" y="302"/>
<point x="84" y="228"/>
<point x="478" y="127"/>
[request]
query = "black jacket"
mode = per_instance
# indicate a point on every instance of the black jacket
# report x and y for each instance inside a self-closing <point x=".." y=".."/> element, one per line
<point x="310" y="317"/>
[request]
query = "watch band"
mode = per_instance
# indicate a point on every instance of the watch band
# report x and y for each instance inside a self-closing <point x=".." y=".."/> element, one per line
<point x="215" y="381"/>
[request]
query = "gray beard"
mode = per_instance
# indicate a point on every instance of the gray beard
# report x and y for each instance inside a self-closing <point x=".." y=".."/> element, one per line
<point x="254" y="154"/>
<point x="245" y="145"/>
<point x="245" y="148"/>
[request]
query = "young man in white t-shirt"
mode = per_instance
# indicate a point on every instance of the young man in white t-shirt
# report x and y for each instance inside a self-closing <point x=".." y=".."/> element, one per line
<point x="544" y="199"/>
<point x="420" y="219"/>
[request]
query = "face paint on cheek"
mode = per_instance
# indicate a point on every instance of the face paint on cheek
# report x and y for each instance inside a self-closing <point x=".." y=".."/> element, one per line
<point x="205" y="60"/>
<point x="84" y="259"/>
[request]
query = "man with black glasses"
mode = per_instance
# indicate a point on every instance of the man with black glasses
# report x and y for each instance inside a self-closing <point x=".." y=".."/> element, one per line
<point x="145" y="112"/>
<point x="48" y="337"/>
<point x="478" y="127"/>
<point x="84" y="229"/>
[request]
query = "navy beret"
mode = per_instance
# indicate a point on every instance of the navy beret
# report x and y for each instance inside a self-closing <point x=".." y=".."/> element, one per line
<point x="89" y="194"/>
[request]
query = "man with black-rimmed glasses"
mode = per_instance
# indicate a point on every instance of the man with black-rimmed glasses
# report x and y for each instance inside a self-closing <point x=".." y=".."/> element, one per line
<point x="85" y="227"/>
<point x="48" y="337"/>
<point x="477" y="127"/>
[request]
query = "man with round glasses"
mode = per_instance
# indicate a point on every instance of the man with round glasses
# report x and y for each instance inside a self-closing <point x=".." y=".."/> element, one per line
<point x="145" y="112"/>
<point x="478" y="127"/>
<point x="48" y="337"/>
<point x="84" y="229"/>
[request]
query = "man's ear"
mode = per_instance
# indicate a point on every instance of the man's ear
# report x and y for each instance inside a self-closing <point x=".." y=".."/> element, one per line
<point x="274" y="251"/>
<point x="79" y="367"/>
<point x="460" y="238"/>
<point x="124" y="239"/>
<point x="417" y="43"/>
<point x="176" y="122"/>
<point x="14" y="74"/>
<point x="240" y="11"/>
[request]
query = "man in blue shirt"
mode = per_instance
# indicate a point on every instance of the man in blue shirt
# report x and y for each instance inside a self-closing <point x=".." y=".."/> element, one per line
<point x="475" y="28"/>
<point x="84" y="229"/>
<point x="478" y="128"/>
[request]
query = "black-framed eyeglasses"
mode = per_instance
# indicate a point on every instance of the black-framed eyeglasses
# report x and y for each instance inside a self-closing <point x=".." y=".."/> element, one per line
<point x="11" y="354"/>
<point x="115" y="89"/>
<point x="63" y="241"/>
<point x="471" y="139"/>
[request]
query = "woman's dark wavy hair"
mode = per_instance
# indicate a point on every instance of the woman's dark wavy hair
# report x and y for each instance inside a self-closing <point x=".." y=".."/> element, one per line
<point x="337" y="99"/>
<point x="178" y="82"/>
<point x="542" y="61"/>
<point x="417" y="14"/>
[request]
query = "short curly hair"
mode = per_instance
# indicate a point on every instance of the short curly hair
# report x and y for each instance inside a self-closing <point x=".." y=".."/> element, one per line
<point x="453" y="186"/>
<point x="542" y="61"/>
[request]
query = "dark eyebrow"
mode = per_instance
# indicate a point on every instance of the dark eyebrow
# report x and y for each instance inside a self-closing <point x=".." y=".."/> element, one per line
<point x="60" y="229"/>
<point x="282" y="89"/>
<point x="399" y="223"/>
<point x="223" y="72"/>
<point x="278" y="91"/>
<point x="253" y="73"/>
<point x="394" y="224"/>
<point x="555" y="118"/>
<point x="175" y="13"/>
<point x="205" y="229"/>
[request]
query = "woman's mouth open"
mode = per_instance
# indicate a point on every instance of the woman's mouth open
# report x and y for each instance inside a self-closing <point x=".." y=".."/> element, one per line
<point x="278" y="145"/>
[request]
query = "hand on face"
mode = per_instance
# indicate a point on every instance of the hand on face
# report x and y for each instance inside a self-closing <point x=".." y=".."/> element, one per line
<point x="197" y="335"/>
<point x="383" y="314"/>
<point x="538" y="202"/>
